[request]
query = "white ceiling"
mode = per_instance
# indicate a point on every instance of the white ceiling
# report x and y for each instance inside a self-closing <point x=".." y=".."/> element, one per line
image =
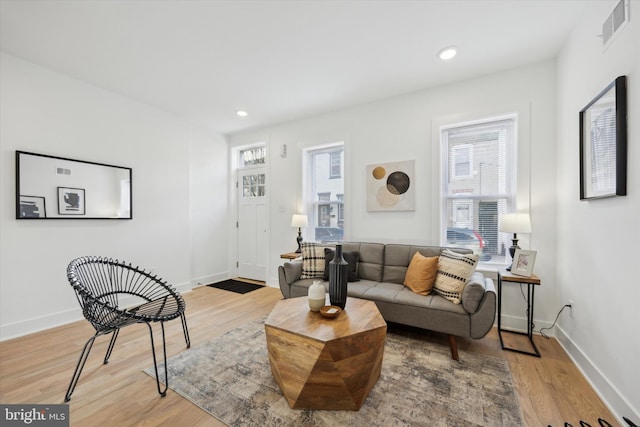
<point x="279" y="60"/>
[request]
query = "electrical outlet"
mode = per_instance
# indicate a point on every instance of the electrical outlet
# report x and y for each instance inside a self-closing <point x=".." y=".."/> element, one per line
<point x="572" y="308"/>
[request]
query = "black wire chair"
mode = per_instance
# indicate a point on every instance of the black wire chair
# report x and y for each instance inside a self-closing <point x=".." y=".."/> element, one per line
<point x="100" y="283"/>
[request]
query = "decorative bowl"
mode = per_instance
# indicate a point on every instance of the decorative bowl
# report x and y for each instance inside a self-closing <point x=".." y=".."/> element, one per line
<point x="330" y="311"/>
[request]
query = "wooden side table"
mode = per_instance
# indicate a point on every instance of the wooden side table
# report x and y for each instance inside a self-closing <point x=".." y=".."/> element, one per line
<point x="291" y="255"/>
<point x="531" y="282"/>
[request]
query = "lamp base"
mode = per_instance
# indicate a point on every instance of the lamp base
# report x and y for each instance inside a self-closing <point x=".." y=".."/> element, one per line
<point x="512" y="249"/>
<point x="299" y="240"/>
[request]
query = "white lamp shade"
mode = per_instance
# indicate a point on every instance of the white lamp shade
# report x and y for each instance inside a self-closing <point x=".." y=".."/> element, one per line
<point x="299" y="220"/>
<point x="515" y="223"/>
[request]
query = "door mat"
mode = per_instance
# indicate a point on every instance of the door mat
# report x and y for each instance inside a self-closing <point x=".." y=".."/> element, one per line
<point x="236" y="286"/>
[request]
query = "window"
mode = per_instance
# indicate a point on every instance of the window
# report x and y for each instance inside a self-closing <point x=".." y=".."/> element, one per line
<point x="253" y="186"/>
<point x="462" y="161"/>
<point x="340" y="198"/>
<point x="324" y="192"/>
<point x="252" y="156"/>
<point x="478" y="184"/>
<point x="336" y="164"/>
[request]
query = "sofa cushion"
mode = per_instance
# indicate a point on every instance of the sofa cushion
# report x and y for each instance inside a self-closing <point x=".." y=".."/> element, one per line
<point x="421" y="274"/>
<point x="454" y="270"/>
<point x="312" y="260"/>
<point x="350" y="257"/>
<point x="384" y="292"/>
<point x="371" y="259"/>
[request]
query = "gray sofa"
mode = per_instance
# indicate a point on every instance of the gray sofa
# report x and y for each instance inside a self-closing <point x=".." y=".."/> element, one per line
<point x="382" y="268"/>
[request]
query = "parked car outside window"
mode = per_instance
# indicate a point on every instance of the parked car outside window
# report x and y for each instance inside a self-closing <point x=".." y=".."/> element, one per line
<point x="470" y="239"/>
<point x="329" y="234"/>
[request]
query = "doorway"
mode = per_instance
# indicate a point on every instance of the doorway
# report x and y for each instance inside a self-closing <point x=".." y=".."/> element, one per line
<point x="252" y="223"/>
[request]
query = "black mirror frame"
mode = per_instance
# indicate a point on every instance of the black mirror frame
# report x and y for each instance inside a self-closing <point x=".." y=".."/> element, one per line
<point x="18" y="195"/>
<point x="620" y="85"/>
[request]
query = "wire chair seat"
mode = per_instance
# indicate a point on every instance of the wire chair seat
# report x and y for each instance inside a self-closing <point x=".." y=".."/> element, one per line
<point x="114" y="294"/>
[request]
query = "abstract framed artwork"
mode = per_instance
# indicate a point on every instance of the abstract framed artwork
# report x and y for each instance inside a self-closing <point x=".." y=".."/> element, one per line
<point x="390" y="186"/>
<point x="32" y="207"/>
<point x="603" y="143"/>
<point x="71" y="201"/>
<point x="523" y="262"/>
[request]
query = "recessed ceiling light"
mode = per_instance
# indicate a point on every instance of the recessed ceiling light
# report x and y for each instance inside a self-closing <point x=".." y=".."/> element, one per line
<point x="447" y="53"/>
<point x="242" y="113"/>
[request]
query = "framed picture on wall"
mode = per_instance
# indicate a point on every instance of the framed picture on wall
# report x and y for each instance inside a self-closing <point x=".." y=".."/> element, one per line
<point x="71" y="201"/>
<point x="391" y="186"/>
<point x="32" y="207"/>
<point x="603" y="143"/>
<point x="523" y="262"/>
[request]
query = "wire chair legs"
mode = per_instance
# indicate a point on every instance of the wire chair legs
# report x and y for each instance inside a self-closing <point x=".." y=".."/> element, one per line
<point x="162" y="391"/>
<point x="112" y="343"/>
<point x="83" y="359"/>
<point x="89" y="344"/>
<point x="187" y="339"/>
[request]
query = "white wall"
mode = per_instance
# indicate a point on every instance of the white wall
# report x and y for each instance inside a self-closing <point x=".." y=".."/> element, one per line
<point x="598" y="240"/>
<point x="400" y="128"/>
<point x="45" y="112"/>
<point x="209" y="209"/>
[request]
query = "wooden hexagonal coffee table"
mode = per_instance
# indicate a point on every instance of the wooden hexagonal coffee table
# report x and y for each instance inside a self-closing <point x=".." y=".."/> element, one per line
<point x="322" y="363"/>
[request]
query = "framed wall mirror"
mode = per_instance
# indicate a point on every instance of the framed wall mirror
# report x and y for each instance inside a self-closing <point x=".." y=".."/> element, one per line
<point x="603" y="143"/>
<point x="50" y="187"/>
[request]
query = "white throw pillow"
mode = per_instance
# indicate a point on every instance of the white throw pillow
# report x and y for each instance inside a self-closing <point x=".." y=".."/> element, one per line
<point x="454" y="270"/>
<point x="312" y="260"/>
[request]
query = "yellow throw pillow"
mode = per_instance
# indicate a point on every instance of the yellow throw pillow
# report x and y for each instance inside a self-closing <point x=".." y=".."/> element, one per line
<point x="421" y="274"/>
<point x="454" y="270"/>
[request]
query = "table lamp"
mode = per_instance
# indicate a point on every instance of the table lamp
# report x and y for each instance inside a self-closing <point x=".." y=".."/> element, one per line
<point x="299" y="221"/>
<point x="514" y="223"/>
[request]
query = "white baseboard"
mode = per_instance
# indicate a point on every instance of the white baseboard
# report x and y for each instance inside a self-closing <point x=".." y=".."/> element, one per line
<point x="37" y="324"/>
<point x="609" y="394"/>
<point x="42" y="323"/>
<point x="209" y="279"/>
<point x="519" y="324"/>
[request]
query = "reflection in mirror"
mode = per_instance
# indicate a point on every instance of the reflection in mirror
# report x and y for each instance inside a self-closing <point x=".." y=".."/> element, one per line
<point x="49" y="187"/>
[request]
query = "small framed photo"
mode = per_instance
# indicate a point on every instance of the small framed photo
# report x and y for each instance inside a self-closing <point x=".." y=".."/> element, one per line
<point x="71" y="201"/>
<point x="523" y="262"/>
<point x="32" y="207"/>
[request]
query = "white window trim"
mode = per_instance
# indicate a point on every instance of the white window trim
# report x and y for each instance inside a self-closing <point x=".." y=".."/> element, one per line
<point x="522" y="160"/>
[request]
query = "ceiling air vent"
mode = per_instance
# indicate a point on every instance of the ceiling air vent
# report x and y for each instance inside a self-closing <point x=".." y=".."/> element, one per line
<point x="614" y="22"/>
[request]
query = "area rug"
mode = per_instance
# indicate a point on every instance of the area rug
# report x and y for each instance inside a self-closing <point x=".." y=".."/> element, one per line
<point x="236" y="286"/>
<point x="420" y="385"/>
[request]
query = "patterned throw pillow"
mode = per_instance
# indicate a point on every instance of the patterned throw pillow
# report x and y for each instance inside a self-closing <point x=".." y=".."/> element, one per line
<point x="454" y="270"/>
<point x="421" y="274"/>
<point x="312" y="260"/>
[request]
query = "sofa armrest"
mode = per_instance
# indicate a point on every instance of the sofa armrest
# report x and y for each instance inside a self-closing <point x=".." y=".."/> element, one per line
<point x="473" y="292"/>
<point x="482" y="320"/>
<point x="287" y="274"/>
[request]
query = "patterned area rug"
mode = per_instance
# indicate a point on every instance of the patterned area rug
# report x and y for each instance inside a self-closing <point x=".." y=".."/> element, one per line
<point x="420" y="385"/>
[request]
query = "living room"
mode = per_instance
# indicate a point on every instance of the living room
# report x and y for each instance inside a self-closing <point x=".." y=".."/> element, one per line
<point x="184" y="217"/>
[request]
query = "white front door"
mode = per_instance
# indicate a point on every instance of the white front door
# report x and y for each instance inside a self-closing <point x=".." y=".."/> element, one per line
<point x="252" y="223"/>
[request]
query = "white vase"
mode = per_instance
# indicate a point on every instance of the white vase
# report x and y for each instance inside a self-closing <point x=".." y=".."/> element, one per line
<point x="316" y="296"/>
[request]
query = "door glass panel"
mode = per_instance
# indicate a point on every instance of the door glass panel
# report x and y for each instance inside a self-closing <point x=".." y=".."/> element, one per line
<point x="254" y="185"/>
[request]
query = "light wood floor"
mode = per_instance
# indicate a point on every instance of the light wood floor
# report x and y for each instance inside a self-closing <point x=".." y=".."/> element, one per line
<point x="37" y="369"/>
